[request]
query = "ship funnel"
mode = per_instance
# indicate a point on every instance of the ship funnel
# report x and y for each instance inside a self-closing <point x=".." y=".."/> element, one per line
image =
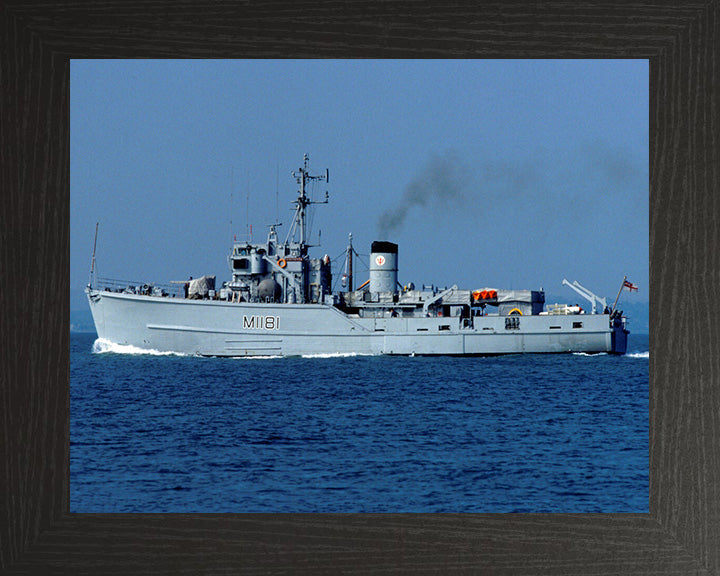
<point x="383" y="266"/>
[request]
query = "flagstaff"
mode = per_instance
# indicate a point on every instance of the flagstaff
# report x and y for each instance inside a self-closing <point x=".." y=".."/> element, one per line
<point x="625" y="284"/>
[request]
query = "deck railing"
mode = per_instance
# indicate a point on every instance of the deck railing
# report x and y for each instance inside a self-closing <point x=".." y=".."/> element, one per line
<point x="144" y="288"/>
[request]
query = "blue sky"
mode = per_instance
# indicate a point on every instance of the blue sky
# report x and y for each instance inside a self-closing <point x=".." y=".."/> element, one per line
<point x="487" y="173"/>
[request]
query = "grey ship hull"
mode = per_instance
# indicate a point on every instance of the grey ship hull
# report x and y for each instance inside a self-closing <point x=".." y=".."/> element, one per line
<point x="221" y="328"/>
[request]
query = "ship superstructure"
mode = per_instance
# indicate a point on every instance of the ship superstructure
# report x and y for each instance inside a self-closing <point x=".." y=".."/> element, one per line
<point x="281" y="272"/>
<point x="279" y="301"/>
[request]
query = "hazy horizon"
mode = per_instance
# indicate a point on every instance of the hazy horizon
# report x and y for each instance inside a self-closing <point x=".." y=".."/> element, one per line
<point x="509" y="174"/>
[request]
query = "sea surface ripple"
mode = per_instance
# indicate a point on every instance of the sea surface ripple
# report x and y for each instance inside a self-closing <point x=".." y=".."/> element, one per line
<point x="524" y="433"/>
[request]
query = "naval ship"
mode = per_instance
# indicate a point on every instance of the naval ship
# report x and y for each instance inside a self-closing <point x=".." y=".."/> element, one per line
<point x="278" y="301"/>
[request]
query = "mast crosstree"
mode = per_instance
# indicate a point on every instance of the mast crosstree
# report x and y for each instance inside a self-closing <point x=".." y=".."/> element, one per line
<point x="303" y="176"/>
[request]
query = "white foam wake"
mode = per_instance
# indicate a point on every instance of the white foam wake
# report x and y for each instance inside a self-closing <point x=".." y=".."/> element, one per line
<point x="639" y="355"/>
<point x="103" y="346"/>
<point x="319" y="355"/>
<point x="275" y="357"/>
<point x="335" y="355"/>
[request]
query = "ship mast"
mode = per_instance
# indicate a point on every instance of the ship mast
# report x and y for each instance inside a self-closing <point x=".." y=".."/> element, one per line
<point x="350" y="263"/>
<point x="92" y="266"/>
<point x="302" y="177"/>
<point x="347" y="277"/>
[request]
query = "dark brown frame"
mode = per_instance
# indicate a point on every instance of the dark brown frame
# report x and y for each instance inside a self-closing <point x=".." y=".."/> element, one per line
<point x="680" y="535"/>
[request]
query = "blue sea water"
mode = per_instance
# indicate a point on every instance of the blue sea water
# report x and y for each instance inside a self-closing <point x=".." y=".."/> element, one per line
<point x="524" y="433"/>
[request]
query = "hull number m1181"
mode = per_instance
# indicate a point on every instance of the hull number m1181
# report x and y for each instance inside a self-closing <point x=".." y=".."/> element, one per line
<point x="261" y="322"/>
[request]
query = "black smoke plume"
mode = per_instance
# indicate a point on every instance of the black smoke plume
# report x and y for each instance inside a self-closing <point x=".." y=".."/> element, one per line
<point x="444" y="180"/>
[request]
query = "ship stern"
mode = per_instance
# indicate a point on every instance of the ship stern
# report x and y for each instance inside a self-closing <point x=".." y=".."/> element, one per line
<point x="619" y="335"/>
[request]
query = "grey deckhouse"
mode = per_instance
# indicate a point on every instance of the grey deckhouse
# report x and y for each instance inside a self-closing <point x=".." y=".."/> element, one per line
<point x="281" y="271"/>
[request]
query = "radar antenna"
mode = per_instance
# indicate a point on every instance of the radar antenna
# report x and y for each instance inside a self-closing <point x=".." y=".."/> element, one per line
<point x="302" y="176"/>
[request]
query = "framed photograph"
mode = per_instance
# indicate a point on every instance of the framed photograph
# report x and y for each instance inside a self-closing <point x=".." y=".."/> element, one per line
<point x="441" y="377"/>
<point x="671" y="534"/>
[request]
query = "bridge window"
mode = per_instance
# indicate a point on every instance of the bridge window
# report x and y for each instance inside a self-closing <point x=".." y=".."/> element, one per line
<point x="241" y="264"/>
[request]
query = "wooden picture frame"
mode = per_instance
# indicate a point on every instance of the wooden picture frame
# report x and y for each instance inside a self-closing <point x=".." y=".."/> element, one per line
<point x="680" y="535"/>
